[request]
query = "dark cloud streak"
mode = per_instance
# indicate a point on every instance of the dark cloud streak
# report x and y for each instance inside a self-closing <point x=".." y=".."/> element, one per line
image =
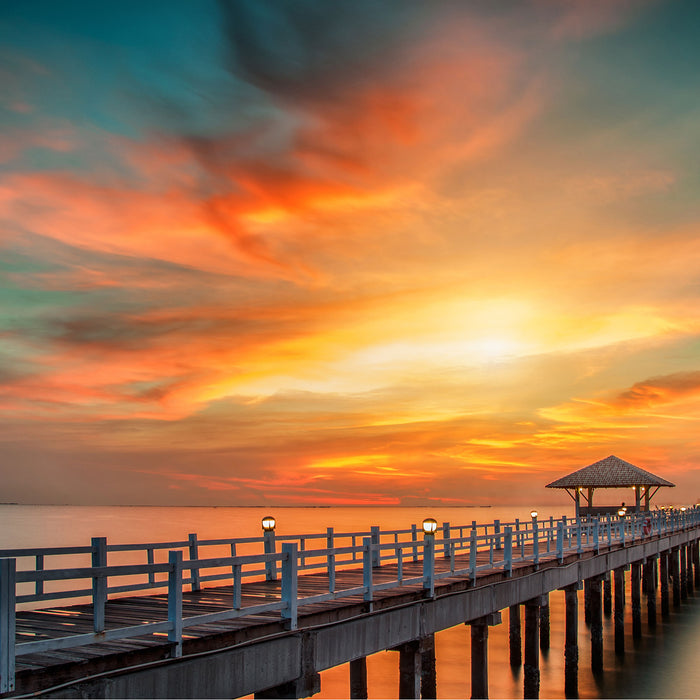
<point x="306" y="50"/>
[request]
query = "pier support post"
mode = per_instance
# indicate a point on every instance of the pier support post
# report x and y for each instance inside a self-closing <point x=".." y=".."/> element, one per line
<point x="596" y="617"/>
<point x="531" y="668"/>
<point x="619" y="576"/>
<point x="358" y="678"/>
<point x="663" y="575"/>
<point x="684" y="573"/>
<point x="428" y="677"/>
<point x="689" y="568"/>
<point x="635" y="585"/>
<point x="480" y="661"/>
<point x="480" y="653"/>
<point x="675" y="578"/>
<point x="514" y="635"/>
<point x="571" y="643"/>
<point x="696" y="563"/>
<point x="607" y="594"/>
<point x="587" y="602"/>
<point x="409" y="670"/>
<point x="650" y="588"/>
<point x="544" y="623"/>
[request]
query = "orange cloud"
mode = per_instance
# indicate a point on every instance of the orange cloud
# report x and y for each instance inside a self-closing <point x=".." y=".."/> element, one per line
<point x="656" y="391"/>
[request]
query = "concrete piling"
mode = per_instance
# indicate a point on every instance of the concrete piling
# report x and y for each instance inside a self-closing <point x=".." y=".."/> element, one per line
<point x="571" y="642"/>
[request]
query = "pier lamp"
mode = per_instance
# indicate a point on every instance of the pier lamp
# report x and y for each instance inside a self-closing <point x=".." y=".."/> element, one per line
<point x="683" y="509"/>
<point x="533" y="514"/>
<point x="268" y="523"/>
<point x="429" y="526"/>
<point x="621" y="513"/>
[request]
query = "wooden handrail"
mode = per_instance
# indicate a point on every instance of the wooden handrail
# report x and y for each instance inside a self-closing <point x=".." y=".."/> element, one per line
<point x="502" y="541"/>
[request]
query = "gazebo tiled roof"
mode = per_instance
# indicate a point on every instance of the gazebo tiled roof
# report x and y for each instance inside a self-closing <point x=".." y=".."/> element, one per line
<point x="611" y="472"/>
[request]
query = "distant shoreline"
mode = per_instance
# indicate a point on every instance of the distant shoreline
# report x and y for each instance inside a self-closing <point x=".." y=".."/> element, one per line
<point x="263" y="505"/>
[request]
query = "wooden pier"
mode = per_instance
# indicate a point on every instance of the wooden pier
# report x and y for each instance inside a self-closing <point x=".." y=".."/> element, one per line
<point x="268" y="622"/>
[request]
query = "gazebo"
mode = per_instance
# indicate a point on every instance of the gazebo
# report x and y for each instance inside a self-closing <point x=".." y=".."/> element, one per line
<point x="609" y="473"/>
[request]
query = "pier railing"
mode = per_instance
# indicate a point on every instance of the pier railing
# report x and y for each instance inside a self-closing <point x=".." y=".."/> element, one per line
<point x="465" y="550"/>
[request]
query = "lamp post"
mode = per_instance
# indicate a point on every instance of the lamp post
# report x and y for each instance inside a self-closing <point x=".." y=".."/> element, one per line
<point x="535" y="538"/>
<point x="268" y="526"/>
<point x="429" y="529"/>
<point x="621" y="514"/>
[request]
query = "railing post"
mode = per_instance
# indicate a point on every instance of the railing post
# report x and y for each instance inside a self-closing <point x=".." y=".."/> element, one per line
<point x="579" y="544"/>
<point x="535" y="542"/>
<point x="508" y="551"/>
<point x="39" y="566"/>
<point x="517" y="532"/>
<point x="237" y="574"/>
<point x="446" y="538"/>
<point x="150" y="559"/>
<point x="99" y="584"/>
<point x="472" y="556"/>
<point x="622" y="530"/>
<point x="289" y="584"/>
<point x="497" y="533"/>
<point x="8" y="575"/>
<point x="550" y="538"/>
<point x="564" y="521"/>
<point x="175" y="602"/>
<point x="609" y="531"/>
<point x="414" y="540"/>
<point x="596" y="535"/>
<point x="376" y="554"/>
<point x="560" y="541"/>
<point x="429" y="565"/>
<point x="194" y="555"/>
<point x="367" y="568"/>
<point x="331" y="560"/>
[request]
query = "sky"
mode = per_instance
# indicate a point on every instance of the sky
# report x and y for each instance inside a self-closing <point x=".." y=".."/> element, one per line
<point x="367" y="252"/>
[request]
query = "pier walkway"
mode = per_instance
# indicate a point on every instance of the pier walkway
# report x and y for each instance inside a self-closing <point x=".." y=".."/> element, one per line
<point x="265" y="615"/>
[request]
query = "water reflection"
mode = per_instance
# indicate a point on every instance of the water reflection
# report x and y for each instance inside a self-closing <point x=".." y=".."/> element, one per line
<point x="662" y="664"/>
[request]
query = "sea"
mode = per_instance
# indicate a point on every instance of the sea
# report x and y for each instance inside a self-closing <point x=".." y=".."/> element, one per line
<point x="664" y="663"/>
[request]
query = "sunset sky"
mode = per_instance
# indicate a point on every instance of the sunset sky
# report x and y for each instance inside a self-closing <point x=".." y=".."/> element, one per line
<point x="350" y="252"/>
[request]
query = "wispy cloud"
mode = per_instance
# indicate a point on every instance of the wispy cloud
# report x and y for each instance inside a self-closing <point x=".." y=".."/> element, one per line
<point x="344" y="253"/>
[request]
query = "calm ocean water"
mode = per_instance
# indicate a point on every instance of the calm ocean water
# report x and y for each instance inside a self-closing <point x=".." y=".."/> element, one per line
<point x="663" y="664"/>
